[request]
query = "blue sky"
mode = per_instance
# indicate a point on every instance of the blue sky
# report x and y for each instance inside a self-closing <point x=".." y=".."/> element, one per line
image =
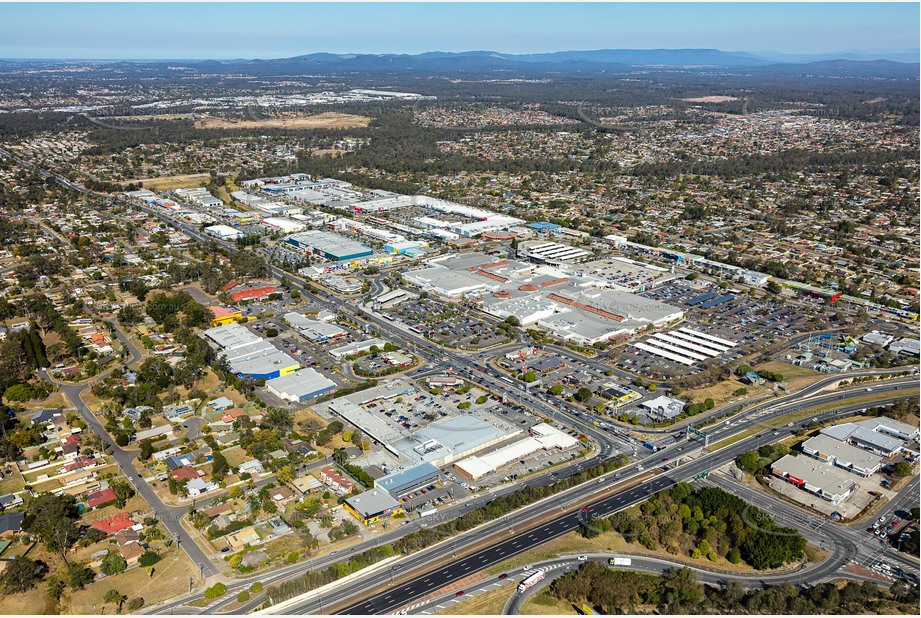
<point x="257" y="30"/>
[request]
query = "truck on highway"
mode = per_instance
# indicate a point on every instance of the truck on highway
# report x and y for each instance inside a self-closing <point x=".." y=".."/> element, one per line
<point x="530" y="580"/>
<point x="428" y="512"/>
<point x="619" y="561"/>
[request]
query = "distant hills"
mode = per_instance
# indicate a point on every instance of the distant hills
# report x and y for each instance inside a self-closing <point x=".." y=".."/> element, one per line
<point x="849" y="64"/>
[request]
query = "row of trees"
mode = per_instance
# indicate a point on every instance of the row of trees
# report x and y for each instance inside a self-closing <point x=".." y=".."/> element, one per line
<point x="679" y="592"/>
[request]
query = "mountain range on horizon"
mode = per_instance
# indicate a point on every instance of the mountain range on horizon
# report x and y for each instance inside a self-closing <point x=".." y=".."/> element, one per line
<point x="893" y="63"/>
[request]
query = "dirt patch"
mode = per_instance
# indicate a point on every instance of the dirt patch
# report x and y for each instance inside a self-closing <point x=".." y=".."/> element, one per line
<point x="329" y="152"/>
<point x="327" y="120"/>
<point x="712" y="99"/>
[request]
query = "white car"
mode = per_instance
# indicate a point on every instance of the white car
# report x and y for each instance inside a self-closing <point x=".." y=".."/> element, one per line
<point x="583" y="558"/>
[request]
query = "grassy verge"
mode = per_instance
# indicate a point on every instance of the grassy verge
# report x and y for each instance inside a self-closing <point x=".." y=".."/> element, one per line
<point x="490" y="603"/>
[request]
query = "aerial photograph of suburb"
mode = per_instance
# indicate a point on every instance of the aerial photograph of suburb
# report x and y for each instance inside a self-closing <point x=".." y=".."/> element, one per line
<point x="460" y="308"/>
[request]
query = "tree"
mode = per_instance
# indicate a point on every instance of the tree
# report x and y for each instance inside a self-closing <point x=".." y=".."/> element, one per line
<point x="583" y="394"/>
<point x="114" y="596"/>
<point x="78" y="576"/>
<point x="149" y="558"/>
<point x="123" y="492"/>
<point x="901" y="469"/>
<point x="113" y="564"/>
<point x="513" y="321"/>
<point x="652" y="387"/>
<point x="21" y="574"/>
<point x="285" y="474"/>
<point x="54" y="520"/>
<point x="235" y="492"/>
<point x="219" y="465"/>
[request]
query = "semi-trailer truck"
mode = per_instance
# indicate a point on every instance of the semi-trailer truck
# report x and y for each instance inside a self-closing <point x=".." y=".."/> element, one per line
<point x="530" y="580"/>
<point x="619" y="561"/>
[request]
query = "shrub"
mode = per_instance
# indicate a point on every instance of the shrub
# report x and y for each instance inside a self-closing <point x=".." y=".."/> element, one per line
<point x="294" y="557"/>
<point x="256" y="588"/>
<point x="149" y="558"/>
<point x="243" y="597"/>
<point x="215" y="591"/>
<point x="135" y="604"/>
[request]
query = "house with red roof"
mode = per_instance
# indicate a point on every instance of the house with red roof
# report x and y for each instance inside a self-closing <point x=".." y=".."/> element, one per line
<point x="100" y="498"/>
<point x="80" y="462"/>
<point x="115" y="523"/>
<point x="186" y="473"/>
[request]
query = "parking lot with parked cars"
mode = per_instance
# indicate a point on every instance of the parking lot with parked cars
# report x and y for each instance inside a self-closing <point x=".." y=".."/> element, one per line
<point x="448" y="325"/>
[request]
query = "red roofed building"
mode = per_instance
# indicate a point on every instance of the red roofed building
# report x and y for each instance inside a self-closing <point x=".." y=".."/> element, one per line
<point x="232" y="414"/>
<point x="253" y="293"/>
<point x="186" y="473"/>
<point x="100" y="497"/>
<point x="115" y="523"/>
<point x="338" y="483"/>
<point x="233" y="283"/>
<point x="80" y="462"/>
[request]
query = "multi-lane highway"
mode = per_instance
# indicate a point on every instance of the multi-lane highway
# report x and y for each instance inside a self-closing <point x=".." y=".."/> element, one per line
<point x="512" y="536"/>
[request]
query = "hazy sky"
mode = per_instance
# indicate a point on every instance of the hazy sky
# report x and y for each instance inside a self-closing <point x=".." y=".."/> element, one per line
<point x="263" y="30"/>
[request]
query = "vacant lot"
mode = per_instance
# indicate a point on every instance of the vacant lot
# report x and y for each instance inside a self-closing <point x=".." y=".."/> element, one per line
<point x="170" y="577"/>
<point x="168" y="183"/>
<point x="328" y="120"/>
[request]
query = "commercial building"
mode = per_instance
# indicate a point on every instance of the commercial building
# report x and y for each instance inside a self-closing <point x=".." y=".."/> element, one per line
<point x="663" y="408"/>
<point x="284" y="225"/>
<point x="449" y="439"/>
<point x="814" y="477"/>
<point x="407" y="480"/>
<point x="302" y="385"/>
<point x="250" y="355"/>
<point x="842" y="455"/>
<point x="552" y="252"/>
<point x="542" y="437"/>
<point x="224" y="315"/>
<point x="372" y="506"/>
<point x="329" y="246"/>
<point x="314" y="330"/>
<point x="254" y="293"/>
<point x="891" y="427"/>
<point x="910" y="347"/>
<point x="224" y="232"/>
<point x="866" y="438"/>
<point x="356" y="347"/>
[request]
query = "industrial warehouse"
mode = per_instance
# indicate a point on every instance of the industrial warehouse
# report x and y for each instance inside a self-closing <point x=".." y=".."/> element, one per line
<point x="302" y="385"/>
<point x="329" y="246"/>
<point x="248" y="354"/>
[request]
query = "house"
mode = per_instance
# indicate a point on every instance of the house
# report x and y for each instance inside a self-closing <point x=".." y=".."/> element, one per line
<point x="177" y="410"/>
<point x="131" y="552"/>
<point x="282" y="495"/>
<point x="220" y="509"/>
<point x="186" y="473"/>
<point x="306" y="484"/>
<point x="239" y="539"/>
<point x="115" y="523"/>
<point x="10" y="524"/>
<point x="43" y="417"/>
<point x="221" y="403"/>
<point x="197" y="487"/>
<point x="100" y="498"/>
<point x="337" y="482"/>
<point x="174" y="462"/>
<point x="126" y="537"/>
<point x="155" y="432"/>
<point x="10" y="500"/>
<point x="253" y="466"/>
